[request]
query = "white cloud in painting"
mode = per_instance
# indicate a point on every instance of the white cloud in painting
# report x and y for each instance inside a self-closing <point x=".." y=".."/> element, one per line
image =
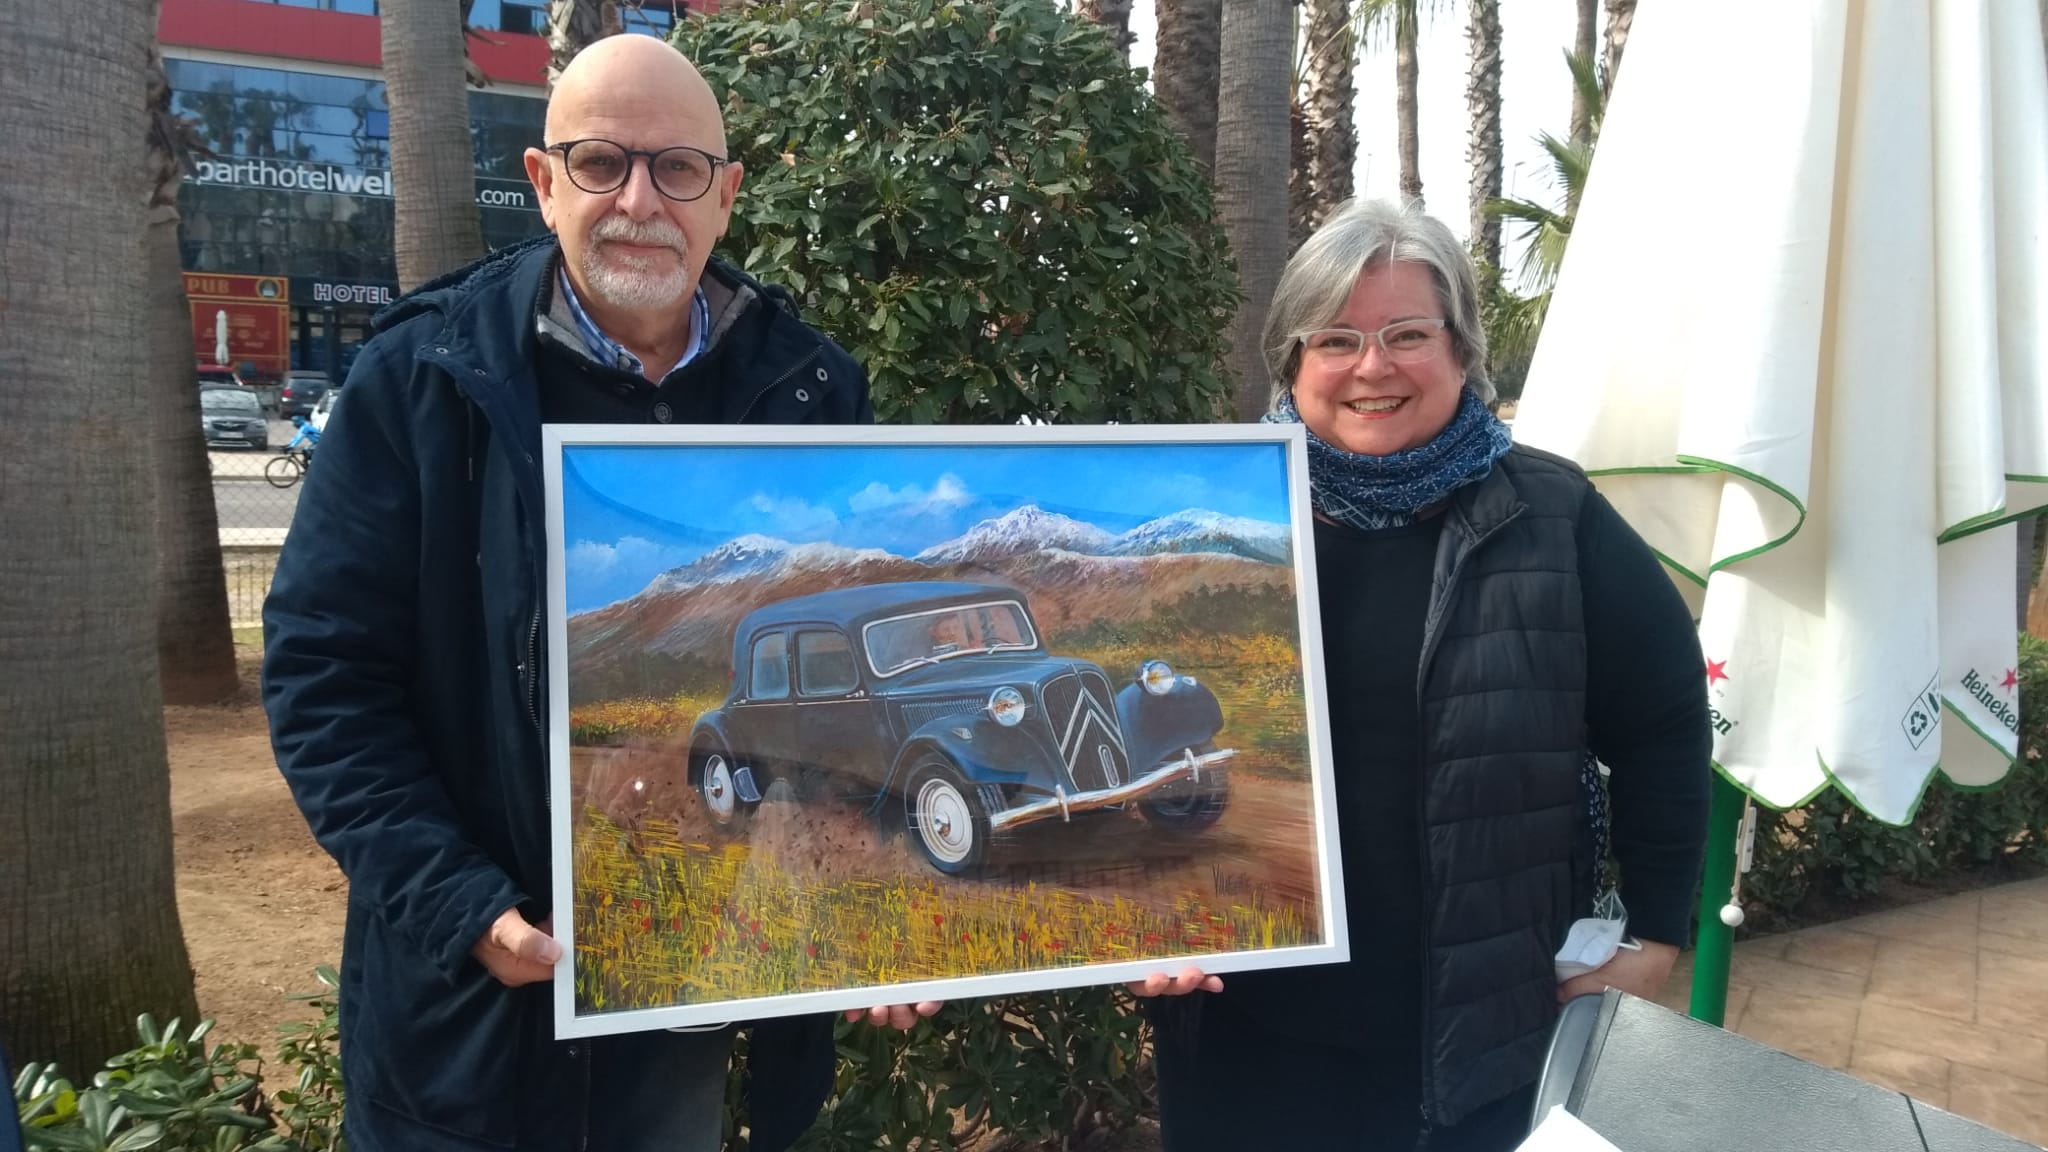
<point x="632" y="556"/>
<point x="792" y="516"/>
<point x="947" y="492"/>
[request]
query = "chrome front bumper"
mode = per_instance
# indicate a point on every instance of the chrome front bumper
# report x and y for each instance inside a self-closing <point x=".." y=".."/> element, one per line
<point x="1188" y="767"/>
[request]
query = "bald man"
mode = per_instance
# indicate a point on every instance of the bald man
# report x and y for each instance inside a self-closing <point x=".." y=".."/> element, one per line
<point x="404" y="638"/>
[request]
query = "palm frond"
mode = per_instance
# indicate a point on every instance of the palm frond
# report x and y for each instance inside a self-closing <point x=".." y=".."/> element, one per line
<point x="1517" y="321"/>
<point x="1545" y="232"/>
<point x="1381" y="22"/>
<point x="1586" y="82"/>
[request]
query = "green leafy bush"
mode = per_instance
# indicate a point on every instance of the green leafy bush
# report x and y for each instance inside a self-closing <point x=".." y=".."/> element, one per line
<point x="172" y="1092"/>
<point x="1044" y="1071"/>
<point x="1830" y="850"/>
<point x="980" y="200"/>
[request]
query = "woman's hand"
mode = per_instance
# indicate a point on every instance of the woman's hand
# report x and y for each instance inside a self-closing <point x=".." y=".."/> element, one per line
<point x="1191" y="979"/>
<point x="901" y="1017"/>
<point x="1640" y="972"/>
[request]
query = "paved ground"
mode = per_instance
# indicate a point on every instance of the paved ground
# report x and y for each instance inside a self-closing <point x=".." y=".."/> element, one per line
<point x="1946" y="1001"/>
<point x="251" y="512"/>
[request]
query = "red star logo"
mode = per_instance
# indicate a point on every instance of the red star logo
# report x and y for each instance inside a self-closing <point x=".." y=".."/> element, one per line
<point x="1717" y="671"/>
<point x="2012" y="678"/>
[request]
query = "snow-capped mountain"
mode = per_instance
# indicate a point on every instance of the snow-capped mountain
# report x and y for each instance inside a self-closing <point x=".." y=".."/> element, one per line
<point x="1025" y="531"/>
<point x="1074" y="573"/>
<point x="754" y="555"/>
<point x="1017" y="532"/>
<point x="1197" y="530"/>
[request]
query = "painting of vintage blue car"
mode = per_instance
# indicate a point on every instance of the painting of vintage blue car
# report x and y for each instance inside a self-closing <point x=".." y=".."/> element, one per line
<point x="923" y="713"/>
<point x="940" y="701"/>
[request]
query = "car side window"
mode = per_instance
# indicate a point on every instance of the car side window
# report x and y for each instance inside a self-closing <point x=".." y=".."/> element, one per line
<point x="824" y="664"/>
<point x="770" y="680"/>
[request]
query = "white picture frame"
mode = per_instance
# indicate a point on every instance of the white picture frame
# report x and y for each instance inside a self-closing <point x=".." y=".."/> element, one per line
<point x="664" y="542"/>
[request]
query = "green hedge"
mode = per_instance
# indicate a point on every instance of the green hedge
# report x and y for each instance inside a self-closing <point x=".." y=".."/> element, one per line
<point x="981" y="201"/>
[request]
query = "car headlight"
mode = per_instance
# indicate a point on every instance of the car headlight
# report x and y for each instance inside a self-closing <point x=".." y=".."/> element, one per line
<point x="257" y="426"/>
<point x="1157" y="677"/>
<point x="1006" y="706"/>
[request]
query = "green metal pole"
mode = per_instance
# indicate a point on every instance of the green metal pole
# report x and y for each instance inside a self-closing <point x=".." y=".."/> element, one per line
<point x="1710" y="961"/>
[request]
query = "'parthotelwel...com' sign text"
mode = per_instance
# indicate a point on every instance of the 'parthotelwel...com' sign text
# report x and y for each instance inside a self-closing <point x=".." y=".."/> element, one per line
<point x="331" y="178"/>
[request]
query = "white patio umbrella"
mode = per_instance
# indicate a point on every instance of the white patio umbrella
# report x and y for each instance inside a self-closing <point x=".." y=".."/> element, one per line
<point x="1798" y="340"/>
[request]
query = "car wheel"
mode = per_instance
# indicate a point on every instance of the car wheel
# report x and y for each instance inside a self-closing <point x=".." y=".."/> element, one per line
<point x="718" y="788"/>
<point x="945" y="817"/>
<point x="1189" y="805"/>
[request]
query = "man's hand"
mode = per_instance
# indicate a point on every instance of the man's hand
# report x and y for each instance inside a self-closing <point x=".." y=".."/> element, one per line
<point x="517" y="952"/>
<point x="1638" y="972"/>
<point x="1191" y="979"/>
<point x="901" y="1017"/>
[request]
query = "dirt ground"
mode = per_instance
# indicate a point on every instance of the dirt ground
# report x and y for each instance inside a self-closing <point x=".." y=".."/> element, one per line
<point x="260" y="902"/>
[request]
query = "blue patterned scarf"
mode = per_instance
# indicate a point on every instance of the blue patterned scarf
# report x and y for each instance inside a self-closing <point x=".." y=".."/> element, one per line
<point x="1388" y="491"/>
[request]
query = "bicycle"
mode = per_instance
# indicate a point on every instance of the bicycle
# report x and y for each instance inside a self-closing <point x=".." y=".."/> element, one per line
<point x="290" y="464"/>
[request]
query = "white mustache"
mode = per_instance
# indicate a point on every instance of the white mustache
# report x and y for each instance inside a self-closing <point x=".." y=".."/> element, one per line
<point x="623" y="230"/>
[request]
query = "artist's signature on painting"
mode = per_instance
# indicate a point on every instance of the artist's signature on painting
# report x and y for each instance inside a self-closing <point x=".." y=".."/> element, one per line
<point x="1225" y="882"/>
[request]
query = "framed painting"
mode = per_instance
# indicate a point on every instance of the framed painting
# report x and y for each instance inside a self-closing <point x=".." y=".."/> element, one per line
<point x="853" y="716"/>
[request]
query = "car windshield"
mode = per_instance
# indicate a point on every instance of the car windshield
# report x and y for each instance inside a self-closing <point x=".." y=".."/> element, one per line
<point x="905" y="642"/>
<point x="226" y="400"/>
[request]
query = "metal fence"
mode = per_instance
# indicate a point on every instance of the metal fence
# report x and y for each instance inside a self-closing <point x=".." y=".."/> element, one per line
<point x="254" y="510"/>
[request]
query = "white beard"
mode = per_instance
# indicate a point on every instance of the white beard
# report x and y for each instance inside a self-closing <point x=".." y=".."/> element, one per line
<point x="633" y="283"/>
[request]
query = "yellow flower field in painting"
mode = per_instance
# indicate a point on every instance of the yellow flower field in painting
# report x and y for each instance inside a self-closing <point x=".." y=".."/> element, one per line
<point x="660" y="922"/>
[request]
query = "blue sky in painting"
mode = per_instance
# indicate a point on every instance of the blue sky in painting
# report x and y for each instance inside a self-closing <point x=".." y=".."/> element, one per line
<point x="631" y="512"/>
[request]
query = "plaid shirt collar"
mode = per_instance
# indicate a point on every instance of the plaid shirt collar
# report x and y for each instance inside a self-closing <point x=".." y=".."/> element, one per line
<point x="606" y="350"/>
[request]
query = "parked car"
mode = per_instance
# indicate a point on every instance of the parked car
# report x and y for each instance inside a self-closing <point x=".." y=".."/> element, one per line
<point x="300" y="391"/>
<point x="233" y="416"/>
<point x="322" y="407"/>
<point x="218" y="374"/>
<point x="939" y="700"/>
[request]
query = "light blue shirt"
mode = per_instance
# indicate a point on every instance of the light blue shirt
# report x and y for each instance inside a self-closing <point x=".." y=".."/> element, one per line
<point x="609" y="351"/>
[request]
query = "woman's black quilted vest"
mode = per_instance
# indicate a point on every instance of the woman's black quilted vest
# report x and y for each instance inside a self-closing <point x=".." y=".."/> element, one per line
<point x="1502" y="692"/>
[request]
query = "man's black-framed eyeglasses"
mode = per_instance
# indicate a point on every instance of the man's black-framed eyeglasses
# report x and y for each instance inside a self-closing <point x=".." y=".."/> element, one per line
<point x="598" y="166"/>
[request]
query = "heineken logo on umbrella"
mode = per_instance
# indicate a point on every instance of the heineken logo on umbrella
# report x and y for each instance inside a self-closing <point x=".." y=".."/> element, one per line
<point x="1986" y="694"/>
<point x="1717" y="671"/>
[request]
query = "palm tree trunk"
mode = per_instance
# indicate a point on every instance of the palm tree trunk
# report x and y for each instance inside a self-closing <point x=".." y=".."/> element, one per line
<point x="89" y="932"/>
<point x="573" y="25"/>
<point x="1186" y="67"/>
<point x="194" y="636"/>
<point x="1301" y="204"/>
<point x="1251" y="174"/>
<point x="1620" y="14"/>
<point x="433" y="165"/>
<point x="1482" y="105"/>
<point x="1332" y="136"/>
<point x="1586" y="46"/>
<point x="1115" y="15"/>
<point x="1407" y="76"/>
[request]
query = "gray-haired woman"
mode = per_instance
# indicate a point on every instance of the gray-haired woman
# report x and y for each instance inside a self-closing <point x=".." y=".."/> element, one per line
<point x="1488" y="622"/>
